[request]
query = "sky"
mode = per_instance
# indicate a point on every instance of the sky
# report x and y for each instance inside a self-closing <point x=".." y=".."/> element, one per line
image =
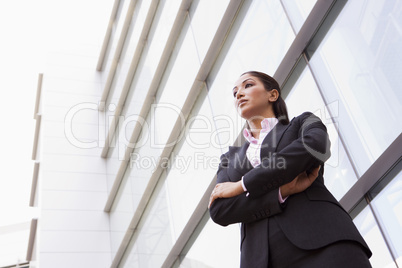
<point x="20" y="63"/>
<point x="29" y="29"/>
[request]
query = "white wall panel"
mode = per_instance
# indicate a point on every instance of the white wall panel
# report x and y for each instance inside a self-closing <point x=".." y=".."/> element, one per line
<point x="57" y="145"/>
<point x="80" y="131"/>
<point x="73" y="200"/>
<point x="73" y="181"/>
<point x="54" y="84"/>
<point x="73" y="163"/>
<point x="77" y="114"/>
<point x="74" y="74"/>
<point x="53" y="220"/>
<point x="74" y="241"/>
<point x="68" y="99"/>
<point x="76" y="260"/>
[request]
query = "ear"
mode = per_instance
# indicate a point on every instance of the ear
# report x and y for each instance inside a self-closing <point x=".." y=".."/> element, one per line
<point x="274" y="95"/>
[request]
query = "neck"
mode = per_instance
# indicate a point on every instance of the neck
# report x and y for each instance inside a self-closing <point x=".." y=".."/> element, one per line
<point x="255" y="124"/>
<point x="255" y="127"/>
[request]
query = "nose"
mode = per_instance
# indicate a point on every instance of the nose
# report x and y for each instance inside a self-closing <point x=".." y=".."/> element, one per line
<point x="239" y="93"/>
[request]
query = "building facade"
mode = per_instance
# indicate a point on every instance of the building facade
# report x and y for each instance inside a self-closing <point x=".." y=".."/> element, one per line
<point x="129" y="132"/>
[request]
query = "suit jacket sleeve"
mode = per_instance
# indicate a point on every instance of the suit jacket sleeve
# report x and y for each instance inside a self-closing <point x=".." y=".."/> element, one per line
<point x="225" y="211"/>
<point x="308" y="150"/>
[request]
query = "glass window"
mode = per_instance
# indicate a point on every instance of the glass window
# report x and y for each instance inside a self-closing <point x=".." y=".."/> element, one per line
<point x="368" y="228"/>
<point x="387" y="205"/>
<point x="305" y="96"/>
<point x="216" y="246"/>
<point x="142" y="164"/>
<point x="130" y="45"/>
<point x="118" y="25"/>
<point x="116" y="31"/>
<point x="152" y="239"/>
<point x="152" y="53"/>
<point x="140" y="85"/>
<point x="175" y="86"/>
<point x="297" y="11"/>
<point x="121" y="213"/>
<point x="193" y="165"/>
<point x="358" y="66"/>
<point x="158" y="35"/>
<point x="189" y="171"/>
<point x="211" y="9"/>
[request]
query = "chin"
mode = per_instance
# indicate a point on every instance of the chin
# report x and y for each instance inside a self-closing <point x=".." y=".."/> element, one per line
<point x="244" y="114"/>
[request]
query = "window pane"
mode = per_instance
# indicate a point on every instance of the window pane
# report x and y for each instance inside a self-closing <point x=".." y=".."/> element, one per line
<point x="142" y="163"/>
<point x="130" y="46"/>
<point x="339" y="175"/>
<point x="192" y="165"/>
<point x="216" y="246"/>
<point x="116" y="32"/>
<point x="145" y="73"/>
<point x="176" y="84"/>
<point x="151" y="240"/>
<point x="189" y="171"/>
<point x="388" y="208"/>
<point x="298" y="10"/>
<point x="199" y="11"/>
<point x="121" y="213"/>
<point x="371" y="233"/>
<point x="358" y="65"/>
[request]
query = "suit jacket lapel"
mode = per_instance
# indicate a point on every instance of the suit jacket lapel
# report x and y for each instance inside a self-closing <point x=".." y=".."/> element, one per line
<point x="239" y="163"/>
<point x="245" y="165"/>
<point x="271" y="141"/>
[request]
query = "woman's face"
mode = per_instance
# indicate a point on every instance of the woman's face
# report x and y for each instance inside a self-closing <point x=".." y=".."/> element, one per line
<point x="251" y="99"/>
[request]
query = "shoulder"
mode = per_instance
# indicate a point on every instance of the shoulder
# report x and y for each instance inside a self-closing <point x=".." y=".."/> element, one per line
<point x="306" y="118"/>
<point x="305" y="122"/>
<point x="298" y="120"/>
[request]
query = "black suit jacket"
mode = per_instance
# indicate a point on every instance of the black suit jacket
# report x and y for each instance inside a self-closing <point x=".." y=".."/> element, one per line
<point x="310" y="220"/>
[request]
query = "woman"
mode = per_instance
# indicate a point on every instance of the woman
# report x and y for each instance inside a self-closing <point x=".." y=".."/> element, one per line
<point x="274" y="186"/>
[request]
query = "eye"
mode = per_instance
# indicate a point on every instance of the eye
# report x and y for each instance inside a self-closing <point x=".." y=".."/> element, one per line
<point x="248" y="85"/>
<point x="234" y="93"/>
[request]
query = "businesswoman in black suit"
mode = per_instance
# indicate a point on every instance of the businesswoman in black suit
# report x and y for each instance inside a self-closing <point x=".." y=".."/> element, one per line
<point x="274" y="186"/>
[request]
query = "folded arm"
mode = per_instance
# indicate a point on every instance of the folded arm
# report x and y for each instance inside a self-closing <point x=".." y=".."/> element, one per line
<point x="308" y="151"/>
<point x="240" y="208"/>
<point x="229" y="205"/>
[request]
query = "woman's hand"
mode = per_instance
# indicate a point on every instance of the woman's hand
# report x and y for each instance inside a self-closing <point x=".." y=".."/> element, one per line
<point x="300" y="183"/>
<point x="226" y="190"/>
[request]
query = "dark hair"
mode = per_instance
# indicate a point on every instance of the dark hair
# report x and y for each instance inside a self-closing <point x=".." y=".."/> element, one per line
<point x="280" y="110"/>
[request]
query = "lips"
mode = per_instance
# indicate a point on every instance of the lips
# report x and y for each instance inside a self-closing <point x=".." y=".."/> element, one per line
<point x="240" y="102"/>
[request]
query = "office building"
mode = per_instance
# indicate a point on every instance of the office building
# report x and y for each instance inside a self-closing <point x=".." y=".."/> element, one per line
<point x="129" y="131"/>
